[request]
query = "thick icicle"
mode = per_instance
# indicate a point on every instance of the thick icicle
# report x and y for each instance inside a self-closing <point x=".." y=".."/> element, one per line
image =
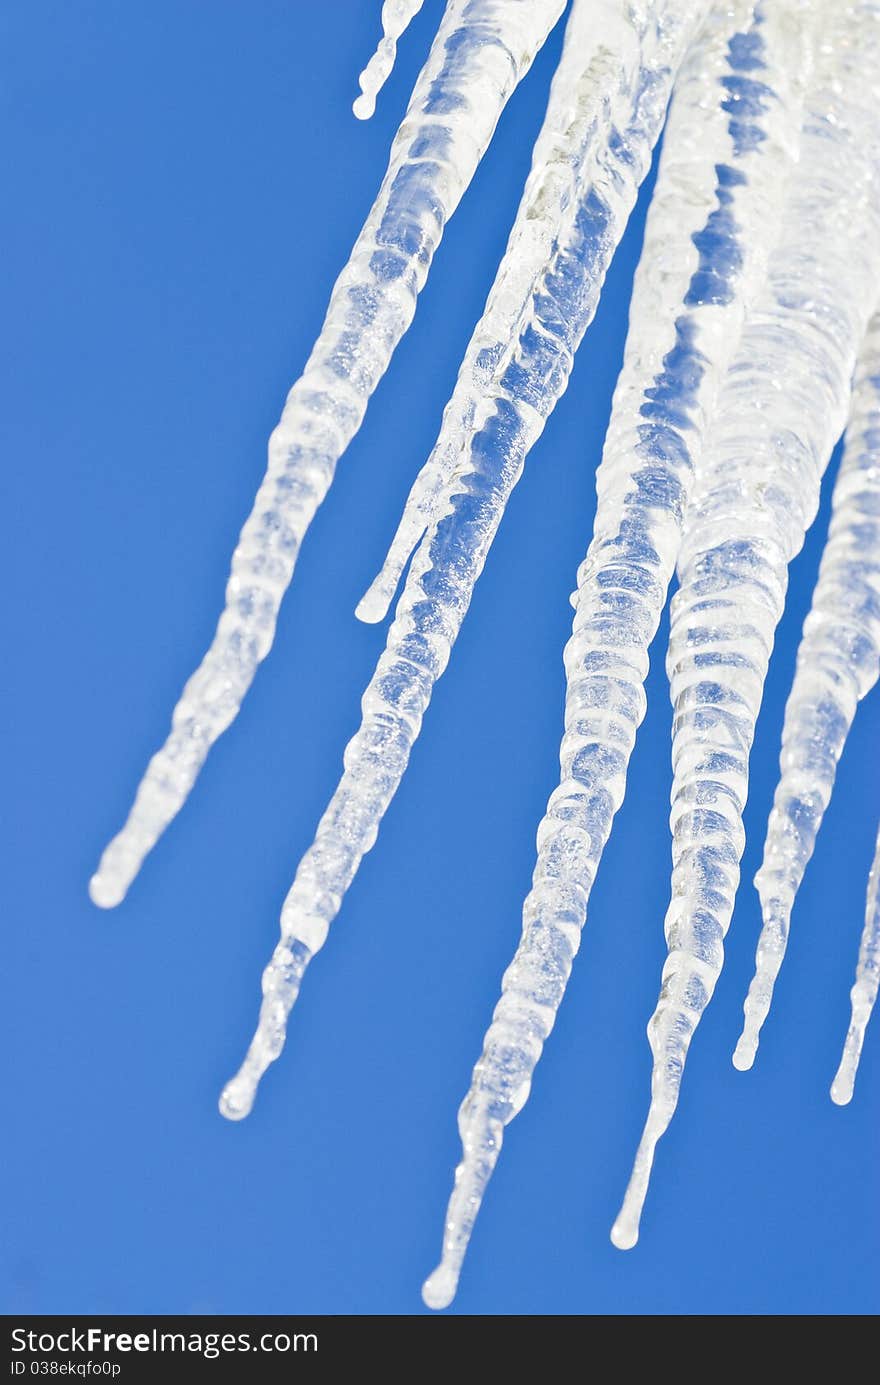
<point x="730" y="140"/>
<point x="781" y="411"/>
<point x="396" y="18"/>
<point x="482" y="50"/>
<point x="864" y="993"/>
<point x="838" y="663"/>
<point x="607" y="113"/>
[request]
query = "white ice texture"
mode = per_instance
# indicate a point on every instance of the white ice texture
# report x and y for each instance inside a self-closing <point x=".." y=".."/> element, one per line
<point x="396" y="18"/>
<point x="589" y="159"/>
<point x="838" y="664"/>
<point x="864" y="992"/>
<point x="749" y="344"/>
<point x="780" y="413"/>
<point x="482" y="50"/>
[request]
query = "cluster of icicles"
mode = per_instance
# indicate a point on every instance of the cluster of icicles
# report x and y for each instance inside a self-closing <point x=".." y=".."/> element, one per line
<point x="751" y="347"/>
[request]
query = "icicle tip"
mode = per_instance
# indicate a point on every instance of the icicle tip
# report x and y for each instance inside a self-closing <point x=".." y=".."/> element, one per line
<point x="745" y="1051"/>
<point x="373" y="605"/>
<point x="776" y="915"/>
<point x="236" y="1100"/>
<point x="625" y="1232"/>
<point x="119" y="866"/>
<point x="440" y="1287"/>
<point x="105" y="891"/>
<point x="843" y="1086"/>
<point x="364" y="106"/>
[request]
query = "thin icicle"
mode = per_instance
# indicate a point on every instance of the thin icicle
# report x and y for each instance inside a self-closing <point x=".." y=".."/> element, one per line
<point x="422" y="500"/>
<point x="608" y="118"/>
<point x="838" y="663"/>
<point x="781" y="411"/>
<point x="528" y="249"/>
<point x="864" y="993"/>
<point x="730" y="141"/>
<point x="396" y="18"/>
<point x="480" y="361"/>
<point x="482" y="50"/>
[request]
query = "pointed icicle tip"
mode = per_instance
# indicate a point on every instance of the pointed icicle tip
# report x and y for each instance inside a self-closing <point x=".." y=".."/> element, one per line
<point x="776" y="920"/>
<point x="843" y="1086"/>
<point x="396" y="18"/>
<point x="364" y="106"/>
<point x="744" y="1053"/>
<point x="236" y="1100"/>
<point x="105" y="893"/>
<point x="373" y="605"/>
<point x="440" y="1287"/>
<point x="624" y="1233"/>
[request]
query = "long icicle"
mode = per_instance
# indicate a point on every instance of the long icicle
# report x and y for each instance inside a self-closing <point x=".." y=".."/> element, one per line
<point x="482" y="50"/>
<point x="397" y="15"/>
<point x="529" y="246"/>
<point x="730" y="141"/>
<point x="590" y="203"/>
<point x="838" y="663"/>
<point x="864" y="993"/>
<point x="780" y="414"/>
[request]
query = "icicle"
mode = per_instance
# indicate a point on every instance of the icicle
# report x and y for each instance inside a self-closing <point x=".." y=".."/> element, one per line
<point x="482" y="50"/>
<point x="587" y="199"/>
<point x="864" y="993"/>
<point x="730" y="140"/>
<point x="838" y="663"/>
<point x="525" y="259"/>
<point x="781" y="411"/>
<point x="528" y="249"/>
<point x="396" y="18"/>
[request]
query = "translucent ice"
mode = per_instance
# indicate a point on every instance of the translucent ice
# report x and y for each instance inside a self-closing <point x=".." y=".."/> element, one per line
<point x="782" y="409"/>
<point x="731" y="137"/>
<point x="838" y="664"/>
<point x="760" y="267"/>
<point x="481" y="52"/>
<point x="396" y="18"/>
<point x="605" y="113"/>
<point x="864" y="992"/>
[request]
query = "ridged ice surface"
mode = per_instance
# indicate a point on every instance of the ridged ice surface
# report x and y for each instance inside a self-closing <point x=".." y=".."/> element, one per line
<point x="750" y="341"/>
<point x="530" y="247"/>
<point x="864" y="993"/>
<point x="396" y="18"/>
<point x="838" y="663"/>
<point x="730" y="140"/>
<point x="603" y="118"/>
<point x="482" y="50"/>
<point x="782" y="408"/>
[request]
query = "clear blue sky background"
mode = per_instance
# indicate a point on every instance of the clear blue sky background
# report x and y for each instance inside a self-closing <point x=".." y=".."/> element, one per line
<point x="182" y="181"/>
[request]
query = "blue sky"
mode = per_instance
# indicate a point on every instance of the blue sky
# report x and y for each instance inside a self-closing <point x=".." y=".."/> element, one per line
<point x="184" y="180"/>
